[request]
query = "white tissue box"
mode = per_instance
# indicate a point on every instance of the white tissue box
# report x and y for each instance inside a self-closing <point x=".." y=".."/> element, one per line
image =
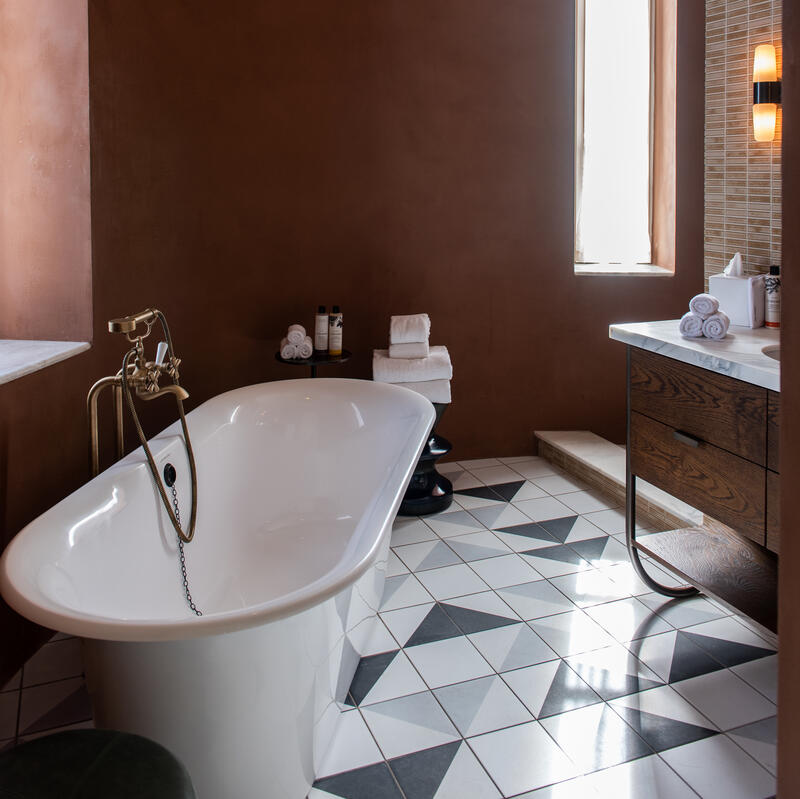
<point x="742" y="298"/>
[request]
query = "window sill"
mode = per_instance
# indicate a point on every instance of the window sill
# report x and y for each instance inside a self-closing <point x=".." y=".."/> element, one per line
<point x="19" y="358"/>
<point x="623" y="270"/>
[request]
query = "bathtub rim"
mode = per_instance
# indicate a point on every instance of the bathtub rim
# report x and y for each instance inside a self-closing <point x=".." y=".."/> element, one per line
<point x="55" y="616"/>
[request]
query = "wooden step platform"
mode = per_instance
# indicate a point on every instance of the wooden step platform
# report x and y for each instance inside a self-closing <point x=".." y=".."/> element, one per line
<point x="601" y="464"/>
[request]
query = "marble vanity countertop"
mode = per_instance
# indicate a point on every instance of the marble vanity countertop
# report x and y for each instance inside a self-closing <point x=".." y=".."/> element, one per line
<point x="738" y="355"/>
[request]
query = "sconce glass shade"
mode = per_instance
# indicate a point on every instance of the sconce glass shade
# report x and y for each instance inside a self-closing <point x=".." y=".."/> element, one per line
<point x="765" y="67"/>
<point x="764" y="115"/>
<point x="766" y="92"/>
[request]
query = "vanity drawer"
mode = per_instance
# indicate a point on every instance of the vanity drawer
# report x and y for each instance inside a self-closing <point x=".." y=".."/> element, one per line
<point x="721" y="484"/>
<point x="719" y="410"/>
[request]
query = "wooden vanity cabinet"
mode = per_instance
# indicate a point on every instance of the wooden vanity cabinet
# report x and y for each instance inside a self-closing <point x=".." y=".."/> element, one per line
<point x="773" y="472"/>
<point x="711" y="441"/>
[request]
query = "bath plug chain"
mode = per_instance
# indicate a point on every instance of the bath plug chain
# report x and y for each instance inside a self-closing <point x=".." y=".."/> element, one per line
<point x="169" y="477"/>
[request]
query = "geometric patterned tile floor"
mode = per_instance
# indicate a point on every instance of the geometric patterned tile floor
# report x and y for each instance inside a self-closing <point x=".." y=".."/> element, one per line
<point x="518" y="655"/>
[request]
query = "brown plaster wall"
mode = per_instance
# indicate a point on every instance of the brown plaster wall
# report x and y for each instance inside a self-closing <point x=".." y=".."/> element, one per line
<point x="789" y="588"/>
<point x="390" y="157"/>
<point x="45" y="243"/>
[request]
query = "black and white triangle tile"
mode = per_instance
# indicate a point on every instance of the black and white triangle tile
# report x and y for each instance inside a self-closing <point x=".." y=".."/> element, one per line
<point x="663" y="719"/>
<point x="477" y="546"/>
<point x="595" y="737"/>
<point x="551" y="688"/>
<point x="759" y="740"/>
<point x="500" y="516"/>
<point x="479" y="497"/>
<point x="525" y="659"/>
<point x="536" y="599"/>
<point x="387" y="675"/>
<point x="449" y="771"/>
<point x="680" y="613"/>
<point x="613" y="672"/>
<point x="504" y="571"/>
<point x="426" y="555"/>
<point x="482" y="705"/>
<point x="526" y="536"/>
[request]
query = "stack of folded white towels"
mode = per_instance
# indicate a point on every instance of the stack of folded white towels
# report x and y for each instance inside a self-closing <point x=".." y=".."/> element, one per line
<point x="704" y="319"/>
<point x="411" y="362"/>
<point x="296" y="344"/>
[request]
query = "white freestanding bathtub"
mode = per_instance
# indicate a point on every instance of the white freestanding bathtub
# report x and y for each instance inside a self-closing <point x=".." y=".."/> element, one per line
<point x="298" y="484"/>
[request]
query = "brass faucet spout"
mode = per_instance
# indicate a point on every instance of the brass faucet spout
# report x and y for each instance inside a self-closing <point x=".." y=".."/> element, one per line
<point x="179" y="391"/>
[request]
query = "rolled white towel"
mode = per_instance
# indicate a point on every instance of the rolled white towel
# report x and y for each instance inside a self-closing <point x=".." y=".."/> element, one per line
<point x="414" y="349"/>
<point x="436" y="366"/>
<point x="691" y="325"/>
<point x="305" y="349"/>
<point x="296" y="334"/>
<point x="288" y="350"/>
<point x="409" y="329"/>
<point x="716" y="326"/>
<point x="434" y="390"/>
<point x="704" y="305"/>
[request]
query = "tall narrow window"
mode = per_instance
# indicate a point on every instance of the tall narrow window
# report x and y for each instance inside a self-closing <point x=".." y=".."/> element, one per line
<point x="614" y="115"/>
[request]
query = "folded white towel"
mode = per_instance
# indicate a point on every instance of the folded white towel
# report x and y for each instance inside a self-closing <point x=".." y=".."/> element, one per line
<point x="691" y="325"/>
<point x="305" y="349"/>
<point x="436" y="366"/>
<point x="716" y="326"/>
<point x="296" y="334"/>
<point x="434" y="390"/>
<point x="409" y="329"/>
<point x="288" y="350"/>
<point x="414" y="349"/>
<point x="704" y="305"/>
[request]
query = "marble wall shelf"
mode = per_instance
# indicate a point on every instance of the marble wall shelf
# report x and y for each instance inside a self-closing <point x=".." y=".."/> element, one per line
<point x="738" y="355"/>
<point x="19" y="358"/>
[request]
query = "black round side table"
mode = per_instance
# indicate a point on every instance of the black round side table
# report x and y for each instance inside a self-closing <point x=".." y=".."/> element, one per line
<point x="315" y="360"/>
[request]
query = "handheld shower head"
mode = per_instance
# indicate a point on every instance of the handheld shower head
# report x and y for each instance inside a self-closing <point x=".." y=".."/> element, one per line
<point x="127" y="324"/>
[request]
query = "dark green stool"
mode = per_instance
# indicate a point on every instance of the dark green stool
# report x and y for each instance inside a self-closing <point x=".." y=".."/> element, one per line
<point x="92" y="764"/>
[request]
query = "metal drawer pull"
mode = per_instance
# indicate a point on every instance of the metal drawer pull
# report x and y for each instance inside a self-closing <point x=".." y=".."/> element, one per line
<point x="685" y="439"/>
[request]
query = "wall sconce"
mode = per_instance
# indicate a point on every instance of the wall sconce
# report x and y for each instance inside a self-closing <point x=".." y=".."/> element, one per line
<point x="766" y="92"/>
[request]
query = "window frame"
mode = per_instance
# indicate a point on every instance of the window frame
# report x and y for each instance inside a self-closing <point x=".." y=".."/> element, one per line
<point x="662" y="140"/>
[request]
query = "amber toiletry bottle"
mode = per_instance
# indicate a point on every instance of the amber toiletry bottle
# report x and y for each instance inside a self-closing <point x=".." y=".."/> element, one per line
<point x="335" y="324"/>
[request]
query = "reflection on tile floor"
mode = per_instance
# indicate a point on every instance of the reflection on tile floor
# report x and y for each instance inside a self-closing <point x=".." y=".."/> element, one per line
<point x="518" y="655"/>
<point x="47" y="695"/>
<point x="525" y="659"/>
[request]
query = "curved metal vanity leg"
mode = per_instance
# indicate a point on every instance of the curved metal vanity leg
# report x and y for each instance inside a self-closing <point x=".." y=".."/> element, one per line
<point x="633" y="553"/>
<point x="630" y="514"/>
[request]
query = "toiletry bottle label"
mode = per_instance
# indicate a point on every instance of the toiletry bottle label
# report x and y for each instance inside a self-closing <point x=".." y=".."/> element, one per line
<point x="772" y="284"/>
<point x="335" y="334"/>
<point x="321" y="332"/>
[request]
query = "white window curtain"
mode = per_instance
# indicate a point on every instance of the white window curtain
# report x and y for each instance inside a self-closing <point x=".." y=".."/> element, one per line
<point x="613" y="136"/>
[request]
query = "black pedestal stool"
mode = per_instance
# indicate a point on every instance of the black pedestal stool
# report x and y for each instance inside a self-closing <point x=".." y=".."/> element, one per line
<point x="92" y="764"/>
<point x="429" y="492"/>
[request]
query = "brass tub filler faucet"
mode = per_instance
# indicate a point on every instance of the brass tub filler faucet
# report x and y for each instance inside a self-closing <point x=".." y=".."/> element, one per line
<point x="140" y="376"/>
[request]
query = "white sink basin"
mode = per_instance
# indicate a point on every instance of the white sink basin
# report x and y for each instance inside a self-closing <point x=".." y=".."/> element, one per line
<point x="773" y="351"/>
